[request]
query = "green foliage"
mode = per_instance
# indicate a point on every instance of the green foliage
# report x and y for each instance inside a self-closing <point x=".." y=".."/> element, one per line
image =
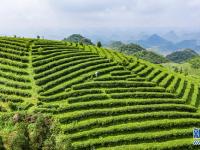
<point x="130" y="48"/>
<point x="29" y="132"/>
<point x="88" y="98"/>
<point x="195" y="62"/>
<point x="130" y="101"/>
<point x="142" y="95"/>
<point x="1" y="144"/>
<point x="64" y="143"/>
<point x="184" y="68"/>
<point x="38" y="133"/>
<point x="12" y="106"/>
<point x="110" y="84"/>
<point x="124" y="139"/>
<point x="151" y="57"/>
<point x="138" y="51"/>
<point x="99" y="44"/>
<point x="182" y="56"/>
<point x="19" y="140"/>
<point x="107" y="111"/>
<point x="77" y="38"/>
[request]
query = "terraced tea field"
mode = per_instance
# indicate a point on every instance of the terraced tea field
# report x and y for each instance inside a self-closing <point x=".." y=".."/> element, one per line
<point x="102" y="99"/>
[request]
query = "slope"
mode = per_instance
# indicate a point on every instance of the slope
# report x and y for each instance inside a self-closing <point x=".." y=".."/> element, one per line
<point x="101" y="98"/>
<point x="138" y="51"/>
<point x="182" y="56"/>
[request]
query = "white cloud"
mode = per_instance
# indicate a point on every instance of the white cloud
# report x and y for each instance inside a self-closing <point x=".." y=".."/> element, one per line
<point x="53" y="16"/>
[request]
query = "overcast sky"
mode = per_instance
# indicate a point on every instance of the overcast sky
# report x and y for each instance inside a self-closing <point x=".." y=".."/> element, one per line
<point x="46" y="17"/>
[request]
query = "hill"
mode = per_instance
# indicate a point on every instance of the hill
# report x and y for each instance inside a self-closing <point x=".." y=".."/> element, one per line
<point x="115" y="45"/>
<point x="182" y="56"/>
<point x="138" y="51"/>
<point x="77" y="38"/>
<point x="151" y="57"/>
<point x="99" y="98"/>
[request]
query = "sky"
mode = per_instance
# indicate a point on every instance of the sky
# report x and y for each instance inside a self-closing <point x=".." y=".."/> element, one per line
<point x="59" y="18"/>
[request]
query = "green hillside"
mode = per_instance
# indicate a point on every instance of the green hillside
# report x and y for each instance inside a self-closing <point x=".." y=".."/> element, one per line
<point x="139" y="52"/>
<point x="99" y="98"/>
<point x="151" y="57"/>
<point x="182" y="56"/>
<point x="191" y="67"/>
<point x="184" y="68"/>
<point x="77" y="38"/>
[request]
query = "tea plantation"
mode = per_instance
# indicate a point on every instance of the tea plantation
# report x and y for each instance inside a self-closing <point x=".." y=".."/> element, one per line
<point x="100" y="98"/>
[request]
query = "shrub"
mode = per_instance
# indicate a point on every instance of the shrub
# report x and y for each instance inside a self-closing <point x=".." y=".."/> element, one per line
<point x="49" y="144"/>
<point x="1" y="144"/>
<point x="12" y="106"/>
<point x="39" y="132"/>
<point x="18" y="140"/>
<point x="63" y="143"/>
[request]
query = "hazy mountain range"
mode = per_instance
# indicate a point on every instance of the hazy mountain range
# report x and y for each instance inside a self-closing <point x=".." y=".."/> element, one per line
<point x="164" y="46"/>
<point x="164" y="42"/>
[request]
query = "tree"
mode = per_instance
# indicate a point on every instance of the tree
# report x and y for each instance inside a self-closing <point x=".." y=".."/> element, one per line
<point x="38" y="37"/>
<point x="99" y="44"/>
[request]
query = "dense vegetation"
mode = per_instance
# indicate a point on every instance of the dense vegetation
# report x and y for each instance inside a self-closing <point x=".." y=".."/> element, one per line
<point x="130" y="48"/>
<point x="151" y="57"/>
<point x="183" y="68"/>
<point x="116" y="44"/>
<point x="97" y="98"/>
<point x="22" y="131"/>
<point x="195" y="62"/>
<point x="138" y="51"/>
<point x="191" y="67"/>
<point x="182" y="56"/>
<point x="77" y="38"/>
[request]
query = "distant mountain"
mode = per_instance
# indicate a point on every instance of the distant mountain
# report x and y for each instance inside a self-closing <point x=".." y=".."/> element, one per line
<point x="77" y="38"/>
<point x="191" y="35"/>
<point x="115" y="44"/>
<point x="171" y="36"/>
<point x="165" y="46"/>
<point x="187" y="44"/>
<point x="182" y="56"/>
<point x="158" y="42"/>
